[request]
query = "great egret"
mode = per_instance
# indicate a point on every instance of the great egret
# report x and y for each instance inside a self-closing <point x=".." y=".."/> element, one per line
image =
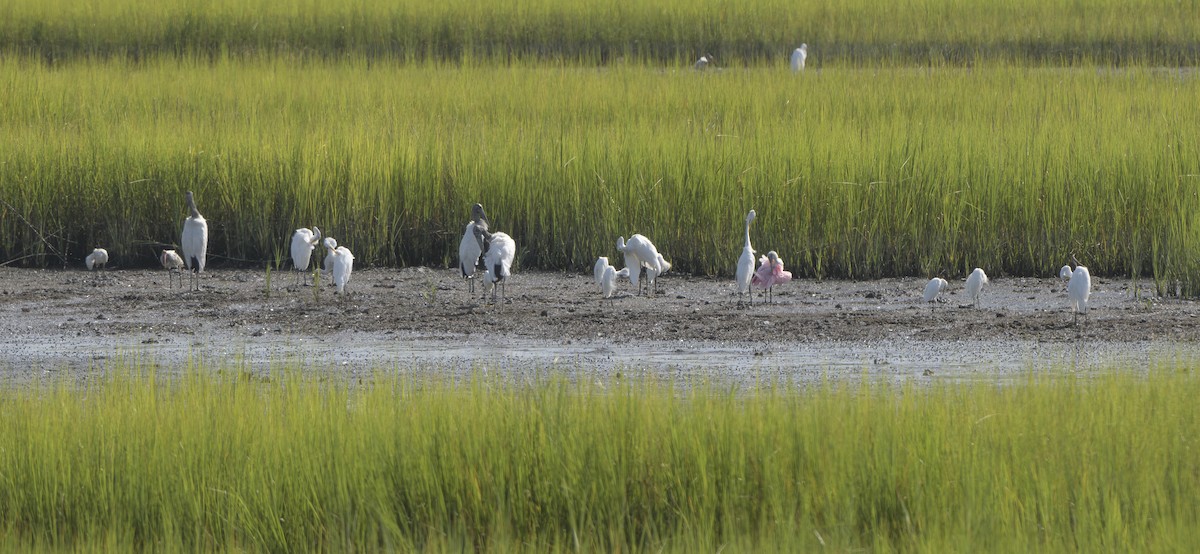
<point x="341" y="263"/>
<point x="608" y="280"/>
<point x="194" y="242"/>
<point x="799" y="56"/>
<point x="933" y="288"/>
<point x="96" y="259"/>
<point x="171" y="261"/>
<point x="598" y="271"/>
<point x="653" y="271"/>
<point x="745" y="265"/>
<point x="639" y="252"/>
<point x="770" y="273"/>
<point x="975" y="282"/>
<point x="304" y="241"/>
<point x="1079" y="288"/>
<point x="702" y="63"/>
<point x="470" y="248"/>
<point x="499" y="250"/>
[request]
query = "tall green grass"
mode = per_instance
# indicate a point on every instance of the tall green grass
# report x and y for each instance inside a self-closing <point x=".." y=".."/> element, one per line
<point x="219" y="459"/>
<point x="597" y="31"/>
<point x="854" y="172"/>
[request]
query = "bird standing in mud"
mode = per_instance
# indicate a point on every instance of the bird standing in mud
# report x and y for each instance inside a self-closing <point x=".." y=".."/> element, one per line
<point x="340" y="262"/>
<point x="171" y="261"/>
<point x="470" y="248"/>
<point x="770" y="273"/>
<point x="499" y="251"/>
<point x="304" y="241"/>
<point x="640" y="252"/>
<point x="96" y="259"/>
<point x="194" y="242"/>
<point x="608" y="281"/>
<point x="598" y="271"/>
<point x="1079" y="288"/>
<point x="975" y="282"/>
<point x="745" y="264"/>
<point x="933" y="289"/>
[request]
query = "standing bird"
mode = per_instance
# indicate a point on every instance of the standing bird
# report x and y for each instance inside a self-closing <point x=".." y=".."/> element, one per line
<point x="1079" y="288"/>
<point x="96" y="259"/>
<point x="598" y="271"/>
<point x="470" y="248"/>
<point x="608" y="281"/>
<point x="499" y="249"/>
<point x="975" y="282"/>
<point x="745" y="265"/>
<point x="933" y="288"/>
<point x="194" y="242"/>
<point x="702" y="63"/>
<point x="771" y="273"/>
<point x="340" y="262"/>
<point x="303" y="243"/>
<point x="171" y="261"/>
<point x="639" y="252"/>
<point x="653" y="271"/>
<point x="799" y="55"/>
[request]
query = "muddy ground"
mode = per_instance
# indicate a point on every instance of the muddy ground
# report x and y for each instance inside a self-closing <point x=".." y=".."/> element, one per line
<point x="424" y="319"/>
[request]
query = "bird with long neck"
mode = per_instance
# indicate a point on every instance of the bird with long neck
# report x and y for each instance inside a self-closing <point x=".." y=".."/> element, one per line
<point x="639" y="252"/>
<point x="470" y="248"/>
<point x="304" y="241"/>
<point x="1079" y="288"/>
<point x="194" y="242"/>
<point x="745" y="266"/>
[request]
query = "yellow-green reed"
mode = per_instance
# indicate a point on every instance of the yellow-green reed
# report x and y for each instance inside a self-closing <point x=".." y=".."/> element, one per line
<point x="854" y="172"/>
<point x="1050" y="31"/>
<point x="221" y="459"/>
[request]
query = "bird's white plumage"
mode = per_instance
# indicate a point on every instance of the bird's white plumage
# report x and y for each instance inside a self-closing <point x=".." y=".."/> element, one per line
<point x="340" y="262"/>
<point x="97" y="258"/>
<point x="654" y="270"/>
<point x="608" y="279"/>
<point x="1079" y="288"/>
<point x="799" y="56"/>
<point x="975" y="282"/>
<point x="745" y="265"/>
<point x="304" y="241"/>
<point x="1064" y="272"/>
<point x="171" y="261"/>
<point x="598" y="270"/>
<point x="498" y="259"/>
<point x="194" y="242"/>
<point x="933" y="288"/>
<point x="469" y="251"/>
<point x="701" y="63"/>
<point x="639" y="252"/>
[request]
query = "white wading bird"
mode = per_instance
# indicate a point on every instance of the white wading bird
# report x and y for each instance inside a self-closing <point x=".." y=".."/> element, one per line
<point x="470" y="248"/>
<point x="304" y="241"/>
<point x="195" y="242"/>
<point x="598" y="271"/>
<point x="702" y="63"/>
<point x="171" y="261"/>
<point x="799" y="55"/>
<point x="975" y="282"/>
<point x="499" y="250"/>
<point x="639" y="252"/>
<point x="96" y="259"/>
<point x="934" y="288"/>
<point x="608" y="281"/>
<point x="340" y="262"/>
<point x="1079" y="288"/>
<point x="653" y="271"/>
<point x="745" y="265"/>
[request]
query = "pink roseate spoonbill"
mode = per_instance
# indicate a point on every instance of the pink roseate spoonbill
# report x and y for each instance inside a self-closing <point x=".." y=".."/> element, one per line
<point x="499" y="251"/>
<point x="933" y="289"/>
<point x="799" y="56"/>
<point x="96" y="259"/>
<point x="608" y="281"/>
<point x="304" y="241"/>
<point x="639" y="252"/>
<point x="195" y="242"/>
<point x="745" y="265"/>
<point x="975" y="282"/>
<point x="1079" y="288"/>
<point x="171" y="262"/>
<point x="770" y="273"/>
<point x="470" y="248"/>
<point x="340" y="262"/>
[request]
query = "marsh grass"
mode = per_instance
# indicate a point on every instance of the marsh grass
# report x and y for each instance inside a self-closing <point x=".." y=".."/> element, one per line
<point x="220" y="458"/>
<point x="855" y="172"/>
<point x="602" y="31"/>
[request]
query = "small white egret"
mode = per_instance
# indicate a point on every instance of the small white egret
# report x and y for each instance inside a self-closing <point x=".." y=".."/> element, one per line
<point x="653" y="271"/>
<point x="171" y="261"/>
<point x="934" y="288"/>
<point x="341" y="263"/>
<point x="1079" y="288"/>
<point x="770" y="273"/>
<point x="598" y="271"/>
<point x="745" y="265"/>
<point x="96" y="259"/>
<point x="975" y="282"/>
<point x="470" y="248"/>
<point x="304" y="241"/>
<point x="195" y="242"/>
<point x="799" y="56"/>
<point x="1064" y="273"/>
<point x="702" y="63"/>
<point x="608" y="281"/>
<point x="499" y="250"/>
<point x="639" y="252"/>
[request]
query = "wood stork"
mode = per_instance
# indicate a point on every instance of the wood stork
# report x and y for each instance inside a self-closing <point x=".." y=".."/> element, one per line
<point x="195" y="242"/>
